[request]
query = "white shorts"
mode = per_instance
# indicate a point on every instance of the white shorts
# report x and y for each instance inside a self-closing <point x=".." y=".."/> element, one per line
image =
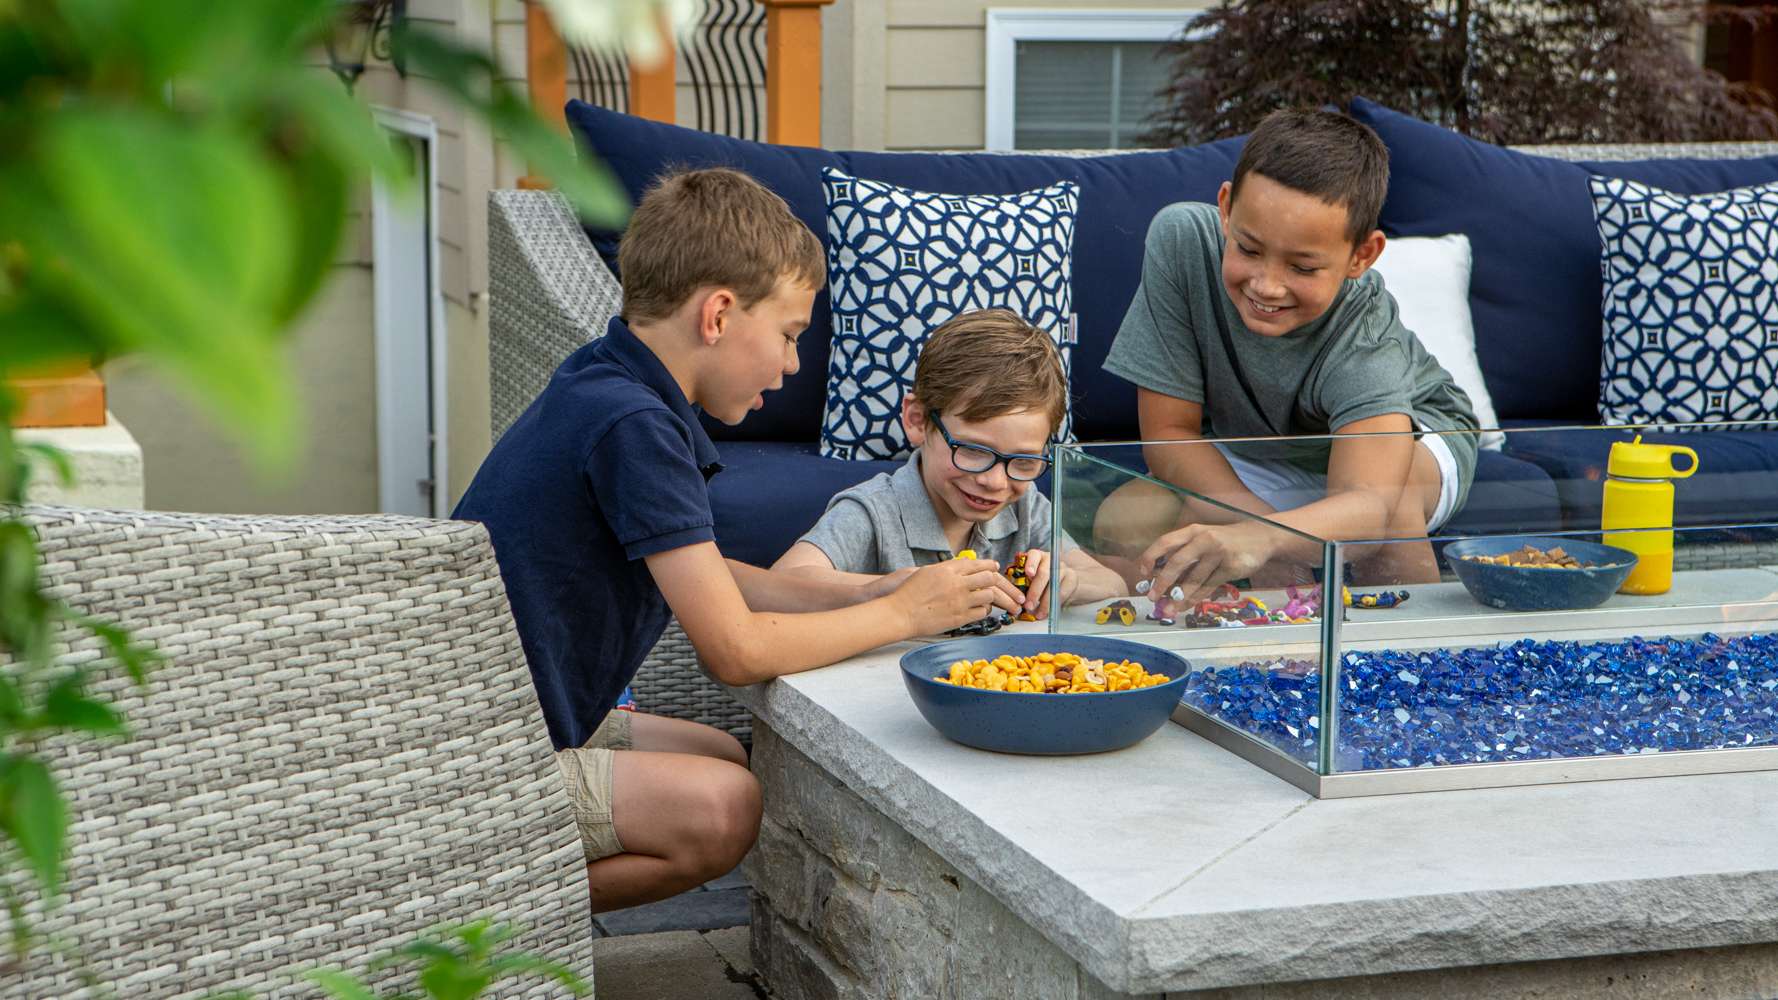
<point x="1286" y="486"/>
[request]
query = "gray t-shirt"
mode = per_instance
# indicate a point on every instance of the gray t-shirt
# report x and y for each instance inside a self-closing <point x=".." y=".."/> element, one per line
<point x="887" y="523"/>
<point x="1354" y="361"/>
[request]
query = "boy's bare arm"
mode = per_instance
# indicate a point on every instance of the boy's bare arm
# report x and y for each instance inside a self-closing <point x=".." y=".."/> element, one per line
<point x="1366" y="474"/>
<point x="809" y="561"/>
<point x="1199" y="468"/>
<point x="744" y="646"/>
<point x="807" y="586"/>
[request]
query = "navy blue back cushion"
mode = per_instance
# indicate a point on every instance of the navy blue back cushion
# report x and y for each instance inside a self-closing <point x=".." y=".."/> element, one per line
<point x="1535" y="287"/>
<point x="1119" y="194"/>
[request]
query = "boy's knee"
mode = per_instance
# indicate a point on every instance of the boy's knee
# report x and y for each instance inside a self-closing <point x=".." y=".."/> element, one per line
<point x="1133" y="516"/>
<point x="724" y="746"/>
<point x="732" y="810"/>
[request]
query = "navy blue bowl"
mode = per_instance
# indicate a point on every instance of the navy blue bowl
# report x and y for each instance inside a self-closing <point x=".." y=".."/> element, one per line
<point x="1531" y="588"/>
<point x="1043" y="723"/>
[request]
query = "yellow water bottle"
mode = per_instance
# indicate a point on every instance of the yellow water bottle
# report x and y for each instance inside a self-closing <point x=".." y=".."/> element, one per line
<point x="1639" y="494"/>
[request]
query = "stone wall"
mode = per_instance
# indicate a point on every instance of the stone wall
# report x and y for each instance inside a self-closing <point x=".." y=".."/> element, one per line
<point x="848" y="906"/>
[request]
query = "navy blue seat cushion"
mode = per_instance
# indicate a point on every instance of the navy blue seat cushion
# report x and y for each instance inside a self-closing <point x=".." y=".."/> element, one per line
<point x="1736" y="481"/>
<point x="1119" y="195"/>
<point x="1535" y="288"/>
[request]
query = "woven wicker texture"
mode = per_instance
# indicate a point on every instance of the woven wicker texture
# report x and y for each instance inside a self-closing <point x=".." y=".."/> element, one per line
<point x="551" y="294"/>
<point x="341" y="750"/>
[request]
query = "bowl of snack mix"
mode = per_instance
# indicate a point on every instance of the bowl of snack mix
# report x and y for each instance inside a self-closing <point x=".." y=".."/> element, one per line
<point x="1044" y="694"/>
<point x="1536" y="573"/>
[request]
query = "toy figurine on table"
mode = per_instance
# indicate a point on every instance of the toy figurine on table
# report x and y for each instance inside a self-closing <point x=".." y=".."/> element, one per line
<point x="1123" y="612"/>
<point x="1017" y="575"/>
<point x="1382" y="599"/>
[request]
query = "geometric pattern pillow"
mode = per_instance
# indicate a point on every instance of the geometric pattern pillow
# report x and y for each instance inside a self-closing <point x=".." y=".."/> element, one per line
<point x="1691" y="304"/>
<point x="901" y="262"/>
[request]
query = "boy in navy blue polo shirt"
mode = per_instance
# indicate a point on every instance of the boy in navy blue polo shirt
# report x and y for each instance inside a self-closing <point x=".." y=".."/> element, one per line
<point x="598" y="506"/>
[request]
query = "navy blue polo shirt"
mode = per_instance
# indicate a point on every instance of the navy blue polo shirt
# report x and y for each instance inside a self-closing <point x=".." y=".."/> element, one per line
<point x="607" y="466"/>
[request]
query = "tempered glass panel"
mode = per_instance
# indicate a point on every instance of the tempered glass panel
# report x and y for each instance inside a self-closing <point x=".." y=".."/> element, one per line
<point x="1125" y="523"/>
<point x="1673" y="647"/>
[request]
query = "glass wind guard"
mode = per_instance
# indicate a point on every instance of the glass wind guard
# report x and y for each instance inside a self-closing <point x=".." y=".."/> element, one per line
<point x="1565" y="605"/>
<point x="1149" y="561"/>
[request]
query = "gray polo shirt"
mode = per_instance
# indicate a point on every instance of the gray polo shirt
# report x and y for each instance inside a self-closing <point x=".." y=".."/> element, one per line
<point x="887" y="523"/>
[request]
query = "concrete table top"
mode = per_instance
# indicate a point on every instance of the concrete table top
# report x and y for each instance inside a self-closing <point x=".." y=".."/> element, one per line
<point x="1175" y="865"/>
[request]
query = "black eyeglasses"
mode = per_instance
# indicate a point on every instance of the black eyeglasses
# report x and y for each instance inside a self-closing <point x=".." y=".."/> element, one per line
<point x="980" y="458"/>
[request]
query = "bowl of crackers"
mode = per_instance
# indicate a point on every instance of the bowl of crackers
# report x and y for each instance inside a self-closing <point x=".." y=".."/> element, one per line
<point x="1044" y="694"/>
<point x="1538" y="573"/>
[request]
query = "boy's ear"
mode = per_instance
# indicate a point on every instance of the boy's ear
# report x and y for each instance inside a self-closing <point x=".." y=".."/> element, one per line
<point x="913" y="420"/>
<point x="1366" y="253"/>
<point x="715" y="312"/>
<point x="1225" y="199"/>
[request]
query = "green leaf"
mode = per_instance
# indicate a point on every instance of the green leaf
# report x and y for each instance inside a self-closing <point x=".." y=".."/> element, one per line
<point x="12" y="703"/>
<point x="451" y="981"/>
<point x="67" y="706"/>
<point x="474" y="79"/>
<point x="53" y="457"/>
<point x="339" y="985"/>
<point x="136" y="658"/>
<point x="183" y="249"/>
<point x="38" y="820"/>
<point x="521" y="963"/>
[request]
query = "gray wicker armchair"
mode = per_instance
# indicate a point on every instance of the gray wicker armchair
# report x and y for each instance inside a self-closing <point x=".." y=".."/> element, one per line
<point x="341" y="750"/>
<point x="550" y="294"/>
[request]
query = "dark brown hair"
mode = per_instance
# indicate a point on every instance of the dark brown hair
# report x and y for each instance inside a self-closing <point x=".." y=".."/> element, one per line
<point x="989" y="363"/>
<point x="712" y="228"/>
<point x="1323" y="154"/>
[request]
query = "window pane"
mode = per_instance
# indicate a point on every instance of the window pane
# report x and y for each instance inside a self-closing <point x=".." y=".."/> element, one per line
<point x="1085" y="95"/>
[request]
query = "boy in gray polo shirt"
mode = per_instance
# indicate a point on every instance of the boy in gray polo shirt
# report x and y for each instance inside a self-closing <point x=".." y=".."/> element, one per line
<point x="988" y="395"/>
<point x="1259" y="317"/>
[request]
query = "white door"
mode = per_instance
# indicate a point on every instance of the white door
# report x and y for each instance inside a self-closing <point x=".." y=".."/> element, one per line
<point x="408" y="324"/>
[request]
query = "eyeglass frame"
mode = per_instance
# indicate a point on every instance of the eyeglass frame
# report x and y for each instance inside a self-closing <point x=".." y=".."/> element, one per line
<point x="1000" y="458"/>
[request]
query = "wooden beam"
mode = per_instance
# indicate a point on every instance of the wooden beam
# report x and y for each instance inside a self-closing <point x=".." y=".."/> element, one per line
<point x="67" y="396"/>
<point x="654" y="91"/>
<point x="546" y="76"/>
<point x="793" y="71"/>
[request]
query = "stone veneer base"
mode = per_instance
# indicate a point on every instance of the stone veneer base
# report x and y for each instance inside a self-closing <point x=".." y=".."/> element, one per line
<point x="849" y="906"/>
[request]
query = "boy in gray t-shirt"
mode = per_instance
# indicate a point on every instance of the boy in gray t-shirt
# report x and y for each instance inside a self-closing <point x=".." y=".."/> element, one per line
<point x="1259" y="317"/>
<point x="989" y="394"/>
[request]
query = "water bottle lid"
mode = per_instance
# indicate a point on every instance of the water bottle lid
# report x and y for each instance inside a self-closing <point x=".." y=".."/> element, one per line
<point x="1636" y="460"/>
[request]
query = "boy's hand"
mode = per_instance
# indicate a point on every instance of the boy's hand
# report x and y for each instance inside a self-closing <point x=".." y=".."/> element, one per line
<point x="1198" y="557"/>
<point x="1037" y="570"/>
<point x="956" y="592"/>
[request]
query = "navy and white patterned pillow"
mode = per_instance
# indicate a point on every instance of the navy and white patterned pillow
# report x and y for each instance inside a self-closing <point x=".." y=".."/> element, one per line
<point x="901" y="262"/>
<point x="1691" y="304"/>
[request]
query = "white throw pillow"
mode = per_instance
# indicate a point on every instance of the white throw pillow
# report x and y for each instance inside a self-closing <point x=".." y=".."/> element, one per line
<point x="1429" y="277"/>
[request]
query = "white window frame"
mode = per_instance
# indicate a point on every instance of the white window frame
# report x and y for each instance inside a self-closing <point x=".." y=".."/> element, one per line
<point x="1008" y="26"/>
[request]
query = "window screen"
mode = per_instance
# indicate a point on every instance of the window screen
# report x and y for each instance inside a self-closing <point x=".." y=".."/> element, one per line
<point x="1085" y="95"/>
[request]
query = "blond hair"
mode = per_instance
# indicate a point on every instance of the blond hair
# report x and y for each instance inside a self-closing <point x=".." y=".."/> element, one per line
<point x="712" y="228"/>
<point x="990" y="363"/>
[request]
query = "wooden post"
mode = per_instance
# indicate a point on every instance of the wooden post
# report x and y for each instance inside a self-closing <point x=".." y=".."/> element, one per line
<point x="654" y="91"/>
<point x="546" y="75"/>
<point x="68" y="395"/>
<point x="793" y="71"/>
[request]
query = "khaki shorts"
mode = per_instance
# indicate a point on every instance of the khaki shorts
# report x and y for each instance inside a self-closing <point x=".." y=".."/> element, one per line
<point x="587" y="773"/>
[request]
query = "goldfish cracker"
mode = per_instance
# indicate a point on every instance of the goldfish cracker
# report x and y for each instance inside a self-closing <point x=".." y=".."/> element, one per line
<point x="1049" y="673"/>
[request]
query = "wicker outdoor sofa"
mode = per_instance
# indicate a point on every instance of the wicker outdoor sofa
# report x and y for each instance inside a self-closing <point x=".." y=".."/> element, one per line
<point x="551" y="293"/>
<point x="341" y="749"/>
